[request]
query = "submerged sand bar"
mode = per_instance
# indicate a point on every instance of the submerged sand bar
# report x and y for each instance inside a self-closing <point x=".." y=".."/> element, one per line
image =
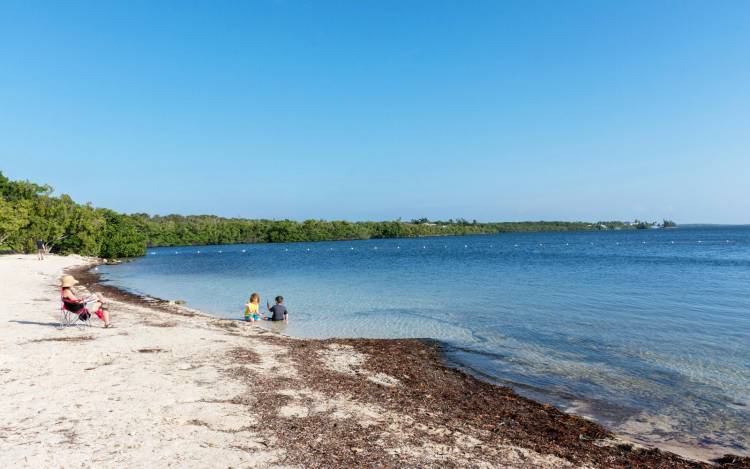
<point x="169" y="386"/>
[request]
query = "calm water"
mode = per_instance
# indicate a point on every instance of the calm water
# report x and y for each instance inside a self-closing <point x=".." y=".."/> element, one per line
<point x="647" y="331"/>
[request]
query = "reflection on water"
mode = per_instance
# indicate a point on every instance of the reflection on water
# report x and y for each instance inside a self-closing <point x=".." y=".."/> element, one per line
<point x="646" y="330"/>
<point x="278" y="327"/>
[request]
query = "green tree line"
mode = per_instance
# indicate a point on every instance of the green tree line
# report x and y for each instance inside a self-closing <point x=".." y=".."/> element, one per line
<point x="29" y="212"/>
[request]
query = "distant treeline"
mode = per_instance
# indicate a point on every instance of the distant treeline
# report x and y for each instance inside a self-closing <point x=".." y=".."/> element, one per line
<point x="175" y="230"/>
<point x="29" y="212"/>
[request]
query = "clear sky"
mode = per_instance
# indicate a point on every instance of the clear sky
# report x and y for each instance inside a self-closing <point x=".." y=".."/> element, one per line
<point x="494" y="110"/>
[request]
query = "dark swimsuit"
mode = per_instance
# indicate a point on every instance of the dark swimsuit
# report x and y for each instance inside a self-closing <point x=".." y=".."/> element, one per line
<point x="72" y="306"/>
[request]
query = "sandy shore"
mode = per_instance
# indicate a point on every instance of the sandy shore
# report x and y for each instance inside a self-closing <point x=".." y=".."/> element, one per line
<point x="169" y="386"/>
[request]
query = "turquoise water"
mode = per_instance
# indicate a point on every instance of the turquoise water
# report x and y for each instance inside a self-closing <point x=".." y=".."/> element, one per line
<point x="647" y="331"/>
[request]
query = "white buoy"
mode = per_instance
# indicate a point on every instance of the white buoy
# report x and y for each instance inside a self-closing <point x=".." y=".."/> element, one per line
<point x="672" y="242"/>
<point x="220" y="251"/>
<point x="699" y="241"/>
<point x="617" y="243"/>
<point x="567" y="244"/>
<point x="424" y="247"/>
<point x="375" y="248"/>
<point x="198" y="252"/>
<point x="308" y="249"/>
<point x="643" y="242"/>
<point x="352" y="249"/>
<point x="515" y="245"/>
<point x="466" y="245"/>
<point x="398" y="247"/>
<point x="243" y="250"/>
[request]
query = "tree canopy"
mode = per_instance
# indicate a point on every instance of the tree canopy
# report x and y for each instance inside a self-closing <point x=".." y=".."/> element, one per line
<point x="29" y="212"/>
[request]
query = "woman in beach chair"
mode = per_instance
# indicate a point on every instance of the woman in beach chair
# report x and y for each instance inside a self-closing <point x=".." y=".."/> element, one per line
<point x="82" y="307"/>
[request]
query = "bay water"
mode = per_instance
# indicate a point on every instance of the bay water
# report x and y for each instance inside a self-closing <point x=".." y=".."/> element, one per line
<point x="647" y="331"/>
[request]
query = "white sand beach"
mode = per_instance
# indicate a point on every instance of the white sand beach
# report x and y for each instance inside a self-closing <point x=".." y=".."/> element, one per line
<point x="88" y="397"/>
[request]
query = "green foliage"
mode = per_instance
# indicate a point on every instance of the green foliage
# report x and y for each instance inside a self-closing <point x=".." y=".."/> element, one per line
<point x="122" y="236"/>
<point x="13" y="217"/>
<point x="175" y="230"/>
<point x="668" y="224"/>
<point x="29" y="212"/>
<point x="642" y="225"/>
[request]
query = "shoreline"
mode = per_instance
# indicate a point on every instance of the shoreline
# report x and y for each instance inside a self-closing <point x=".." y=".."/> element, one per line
<point x="435" y="355"/>
<point x="172" y="385"/>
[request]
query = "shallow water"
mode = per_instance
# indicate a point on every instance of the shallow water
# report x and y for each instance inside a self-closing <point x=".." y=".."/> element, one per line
<point x="647" y="331"/>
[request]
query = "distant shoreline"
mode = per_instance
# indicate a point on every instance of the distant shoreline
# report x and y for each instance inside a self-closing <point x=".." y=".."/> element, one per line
<point x="429" y="236"/>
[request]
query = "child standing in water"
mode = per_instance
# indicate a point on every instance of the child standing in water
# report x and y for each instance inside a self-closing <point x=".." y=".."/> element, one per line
<point x="251" y="308"/>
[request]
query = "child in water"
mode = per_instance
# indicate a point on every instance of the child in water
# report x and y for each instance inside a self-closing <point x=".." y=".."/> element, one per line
<point x="251" y="308"/>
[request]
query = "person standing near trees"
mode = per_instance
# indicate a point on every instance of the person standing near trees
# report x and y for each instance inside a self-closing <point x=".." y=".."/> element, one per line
<point x="40" y="247"/>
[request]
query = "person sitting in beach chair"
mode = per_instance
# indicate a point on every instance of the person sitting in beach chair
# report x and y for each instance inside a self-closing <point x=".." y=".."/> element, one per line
<point x="81" y="307"/>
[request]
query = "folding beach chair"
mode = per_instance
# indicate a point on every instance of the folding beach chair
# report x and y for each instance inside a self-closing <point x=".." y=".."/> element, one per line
<point x="73" y="313"/>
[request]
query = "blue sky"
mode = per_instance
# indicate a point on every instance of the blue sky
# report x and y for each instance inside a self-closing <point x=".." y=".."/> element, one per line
<point x="576" y="110"/>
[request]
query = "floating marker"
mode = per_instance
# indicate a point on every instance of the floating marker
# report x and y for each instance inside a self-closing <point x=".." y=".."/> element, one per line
<point x="466" y="245"/>
<point x="220" y="252"/>
<point x="672" y="242"/>
<point x="198" y="252"/>
<point x="567" y="244"/>
<point x="398" y="247"/>
<point x="699" y="241"/>
<point x="352" y="249"/>
<point x="643" y="242"/>
<point x="375" y="248"/>
<point x="515" y="245"/>
<point x="243" y="250"/>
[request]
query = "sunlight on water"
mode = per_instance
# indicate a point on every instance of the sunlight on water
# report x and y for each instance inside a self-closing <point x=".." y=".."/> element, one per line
<point x="630" y="327"/>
